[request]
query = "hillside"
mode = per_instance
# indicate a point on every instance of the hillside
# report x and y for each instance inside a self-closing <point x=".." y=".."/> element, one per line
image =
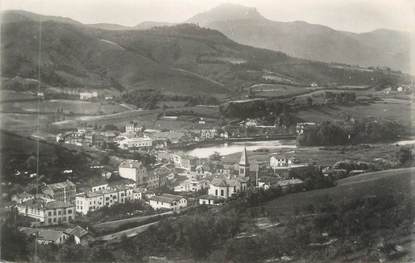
<point x="316" y="42"/>
<point x="182" y="59"/>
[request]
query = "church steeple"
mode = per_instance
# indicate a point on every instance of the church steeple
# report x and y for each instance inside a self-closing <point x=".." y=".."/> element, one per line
<point x="244" y="164"/>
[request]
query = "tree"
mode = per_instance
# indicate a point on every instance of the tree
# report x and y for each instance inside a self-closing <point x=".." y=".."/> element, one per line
<point x="14" y="244"/>
<point x="309" y="101"/>
<point x="404" y="155"/>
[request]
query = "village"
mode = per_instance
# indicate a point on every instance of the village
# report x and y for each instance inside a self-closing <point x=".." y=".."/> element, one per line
<point x="174" y="182"/>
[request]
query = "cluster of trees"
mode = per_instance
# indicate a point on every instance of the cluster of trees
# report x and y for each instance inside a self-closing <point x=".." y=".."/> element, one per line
<point x="328" y="133"/>
<point x="357" y="225"/>
<point x="194" y="235"/>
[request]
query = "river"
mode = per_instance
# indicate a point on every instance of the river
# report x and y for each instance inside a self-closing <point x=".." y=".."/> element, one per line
<point x="234" y="147"/>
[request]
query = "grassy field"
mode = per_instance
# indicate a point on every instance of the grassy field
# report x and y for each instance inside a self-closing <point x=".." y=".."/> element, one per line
<point x="359" y="186"/>
<point x="23" y="124"/>
<point x="325" y="156"/>
<point x="68" y="106"/>
<point x="279" y="90"/>
<point x="401" y="111"/>
<point x="6" y="95"/>
<point x="148" y="118"/>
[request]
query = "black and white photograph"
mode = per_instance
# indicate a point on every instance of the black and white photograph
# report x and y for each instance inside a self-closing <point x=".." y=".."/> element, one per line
<point x="208" y="131"/>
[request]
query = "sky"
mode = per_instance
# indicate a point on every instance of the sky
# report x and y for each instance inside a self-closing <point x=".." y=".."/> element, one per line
<point x="348" y="15"/>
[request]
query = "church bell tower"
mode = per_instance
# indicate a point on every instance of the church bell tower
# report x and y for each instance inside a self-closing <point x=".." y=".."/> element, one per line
<point x="244" y="164"/>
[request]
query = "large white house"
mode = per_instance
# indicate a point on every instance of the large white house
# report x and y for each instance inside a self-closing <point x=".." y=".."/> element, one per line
<point x="168" y="201"/>
<point x="134" y="170"/>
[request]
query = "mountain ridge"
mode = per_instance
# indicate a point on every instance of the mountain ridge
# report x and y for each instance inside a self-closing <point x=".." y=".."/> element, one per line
<point x="380" y="47"/>
<point x="181" y="59"/>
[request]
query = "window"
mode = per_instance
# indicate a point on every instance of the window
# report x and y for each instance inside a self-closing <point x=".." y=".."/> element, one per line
<point x="54" y="220"/>
<point x="49" y="213"/>
<point x="49" y="220"/>
<point x="59" y="212"/>
<point x="54" y="212"/>
<point x="70" y="211"/>
<point x="216" y="192"/>
<point x="222" y="193"/>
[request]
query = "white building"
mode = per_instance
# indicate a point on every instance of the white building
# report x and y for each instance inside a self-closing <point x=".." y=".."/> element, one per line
<point x="88" y="95"/>
<point x="276" y="162"/>
<point x="208" y="134"/>
<point x="99" y="187"/>
<point x="136" y="143"/>
<point x="168" y="201"/>
<point x="134" y="170"/>
<point x="191" y="186"/>
<point x="92" y="201"/>
<point x="133" y="127"/>
<point x="210" y="200"/>
<point x="225" y="188"/>
<point x="47" y="213"/>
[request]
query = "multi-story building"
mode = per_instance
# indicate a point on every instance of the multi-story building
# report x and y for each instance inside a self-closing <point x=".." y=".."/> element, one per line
<point x="184" y="161"/>
<point x="91" y="201"/>
<point x="134" y="170"/>
<point x="63" y="191"/>
<point x="133" y="127"/>
<point x="168" y="201"/>
<point x="47" y="213"/>
<point x="208" y="134"/>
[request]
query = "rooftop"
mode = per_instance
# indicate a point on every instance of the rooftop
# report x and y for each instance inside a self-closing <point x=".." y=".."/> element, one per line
<point x="76" y="231"/>
<point x="57" y="186"/>
<point x="42" y="234"/>
<point x="166" y="198"/>
<point x="131" y="164"/>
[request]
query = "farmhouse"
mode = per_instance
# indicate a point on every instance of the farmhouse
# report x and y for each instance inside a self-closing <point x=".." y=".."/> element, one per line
<point x="45" y="236"/>
<point x="80" y="235"/>
<point x="88" y="95"/>
<point x="168" y="201"/>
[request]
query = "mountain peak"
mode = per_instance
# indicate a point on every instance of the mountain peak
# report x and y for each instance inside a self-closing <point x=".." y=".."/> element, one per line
<point x="226" y="12"/>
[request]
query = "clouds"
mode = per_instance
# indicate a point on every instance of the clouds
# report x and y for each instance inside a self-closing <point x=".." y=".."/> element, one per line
<point x="349" y="15"/>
